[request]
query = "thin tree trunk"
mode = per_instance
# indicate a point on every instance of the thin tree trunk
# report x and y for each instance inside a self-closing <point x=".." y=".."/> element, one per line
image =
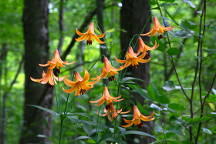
<point x="61" y="24"/>
<point x="36" y="123"/>
<point x="135" y="18"/>
<point x="3" y="66"/>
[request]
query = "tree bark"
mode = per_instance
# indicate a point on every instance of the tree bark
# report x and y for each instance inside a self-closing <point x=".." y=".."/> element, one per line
<point x="36" y="123"/>
<point x="135" y="18"/>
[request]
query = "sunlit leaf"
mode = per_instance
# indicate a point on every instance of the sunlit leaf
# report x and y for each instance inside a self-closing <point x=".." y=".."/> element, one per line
<point x="207" y="131"/>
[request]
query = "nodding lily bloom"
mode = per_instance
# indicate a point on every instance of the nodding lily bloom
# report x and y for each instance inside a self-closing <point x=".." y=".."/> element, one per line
<point x="137" y="118"/>
<point x="157" y="28"/>
<point x="80" y="85"/>
<point x="111" y="112"/>
<point x="48" y="77"/>
<point x="106" y="98"/>
<point x="56" y="61"/>
<point x="108" y="70"/>
<point x="142" y="47"/>
<point x="132" y="58"/>
<point x="89" y="35"/>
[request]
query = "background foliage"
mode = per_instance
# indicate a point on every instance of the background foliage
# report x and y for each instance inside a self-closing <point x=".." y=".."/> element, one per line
<point x="163" y="95"/>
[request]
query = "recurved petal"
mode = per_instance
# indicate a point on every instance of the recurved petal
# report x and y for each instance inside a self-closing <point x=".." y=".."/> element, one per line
<point x="101" y="35"/>
<point x="101" y="101"/>
<point x="86" y="76"/>
<point x="117" y="100"/>
<point x="168" y="28"/>
<point x="154" y="47"/>
<point x="147" y="34"/>
<point x="60" y="78"/>
<point x="127" y="125"/>
<point x="125" y="112"/>
<point x="52" y="81"/>
<point x="36" y="80"/>
<point x="144" y="60"/>
<point x="97" y="39"/>
<point x="83" y="37"/>
<point x="79" y="33"/>
<point x="69" y="82"/>
<point x="146" y="118"/>
<point x="127" y="121"/>
<point x="67" y="63"/>
<point x="44" y="65"/>
<point x="119" y="60"/>
<point x="69" y="90"/>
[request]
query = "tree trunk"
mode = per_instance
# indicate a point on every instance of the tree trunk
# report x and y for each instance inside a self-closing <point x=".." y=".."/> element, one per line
<point x="3" y="69"/>
<point x="36" y="123"/>
<point x="135" y="18"/>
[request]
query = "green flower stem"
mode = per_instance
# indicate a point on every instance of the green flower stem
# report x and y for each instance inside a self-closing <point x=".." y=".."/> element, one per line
<point x="62" y="118"/>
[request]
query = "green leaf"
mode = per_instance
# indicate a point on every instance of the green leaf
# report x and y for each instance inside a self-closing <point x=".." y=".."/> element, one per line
<point x="82" y="137"/>
<point x="126" y="79"/>
<point x="45" y="109"/>
<point x="91" y="141"/>
<point x="176" y="107"/>
<point x="157" y="95"/>
<point x="173" y="51"/>
<point x="138" y="133"/>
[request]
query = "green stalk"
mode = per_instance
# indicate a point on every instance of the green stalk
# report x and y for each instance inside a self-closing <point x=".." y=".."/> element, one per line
<point x="62" y="117"/>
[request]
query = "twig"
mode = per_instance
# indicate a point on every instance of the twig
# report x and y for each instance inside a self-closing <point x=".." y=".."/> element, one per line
<point x="202" y="108"/>
<point x="170" y="72"/>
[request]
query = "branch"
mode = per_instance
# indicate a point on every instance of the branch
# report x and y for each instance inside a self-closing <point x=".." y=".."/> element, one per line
<point x="85" y="23"/>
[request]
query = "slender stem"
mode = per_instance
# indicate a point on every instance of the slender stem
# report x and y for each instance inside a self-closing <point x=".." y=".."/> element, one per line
<point x="202" y="108"/>
<point x="98" y="123"/>
<point x="62" y="117"/>
<point x="199" y="62"/>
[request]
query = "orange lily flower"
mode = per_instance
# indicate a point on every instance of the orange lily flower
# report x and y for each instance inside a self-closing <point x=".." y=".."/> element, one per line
<point x="132" y="58"/>
<point x="157" y="28"/>
<point x="80" y="85"/>
<point x="111" y="112"/>
<point x="89" y="35"/>
<point x="56" y="61"/>
<point x="106" y="98"/>
<point x="142" y="47"/>
<point x="48" y="77"/>
<point x="108" y="70"/>
<point x="137" y="118"/>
